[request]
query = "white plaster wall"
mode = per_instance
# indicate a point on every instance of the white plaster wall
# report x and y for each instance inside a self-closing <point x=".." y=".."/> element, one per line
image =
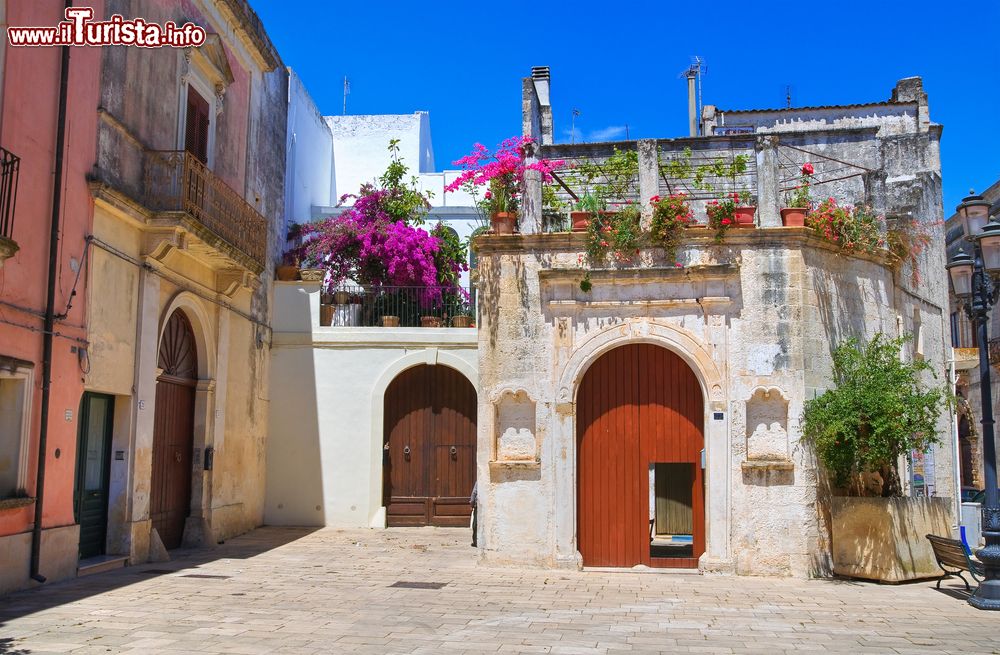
<point x="324" y="460"/>
<point x="360" y="146"/>
<point x="309" y="174"/>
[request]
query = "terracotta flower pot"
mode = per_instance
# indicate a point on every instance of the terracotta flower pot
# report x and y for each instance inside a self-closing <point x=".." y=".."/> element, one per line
<point x="503" y="222"/>
<point x="326" y="315"/>
<point x="793" y="216"/>
<point x="461" y="321"/>
<point x="581" y="220"/>
<point x="390" y="321"/>
<point x="286" y="273"/>
<point x="341" y="297"/>
<point x="430" y="321"/>
<point x="744" y="216"/>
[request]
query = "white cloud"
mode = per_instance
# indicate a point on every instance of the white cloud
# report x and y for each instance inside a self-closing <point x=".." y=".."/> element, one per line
<point x="607" y="134"/>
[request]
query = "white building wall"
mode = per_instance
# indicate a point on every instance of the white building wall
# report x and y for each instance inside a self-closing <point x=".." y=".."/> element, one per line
<point x="324" y="454"/>
<point x="309" y="174"/>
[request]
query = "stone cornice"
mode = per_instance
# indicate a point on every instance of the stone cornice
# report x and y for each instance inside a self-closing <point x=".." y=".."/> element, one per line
<point x="794" y="238"/>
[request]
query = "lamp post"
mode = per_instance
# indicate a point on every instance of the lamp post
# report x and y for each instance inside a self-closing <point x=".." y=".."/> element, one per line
<point x="976" y="282"/>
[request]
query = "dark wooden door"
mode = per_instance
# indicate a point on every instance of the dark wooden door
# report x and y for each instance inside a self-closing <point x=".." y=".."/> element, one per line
<point x="638" y="405"/>
<point x="173" y="431"/>
<point x="430" y="447"/>
<point x="93" y="472"/>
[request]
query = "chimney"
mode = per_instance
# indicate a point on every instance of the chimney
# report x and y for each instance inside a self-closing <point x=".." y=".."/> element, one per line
<point x="692" y="103"/>
<point x="540" y="78"/>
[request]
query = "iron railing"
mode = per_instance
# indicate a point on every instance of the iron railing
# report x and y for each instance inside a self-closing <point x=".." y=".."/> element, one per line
<point x="10" y="165"/>
<point x="356" y="306"/>
<point x="175" y="180"/>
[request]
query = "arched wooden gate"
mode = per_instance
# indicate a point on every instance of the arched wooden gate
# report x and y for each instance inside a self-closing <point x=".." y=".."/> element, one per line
<point x="639" y="435"/>
<point x="173" y="430"/>
<point x="429" y="447"/>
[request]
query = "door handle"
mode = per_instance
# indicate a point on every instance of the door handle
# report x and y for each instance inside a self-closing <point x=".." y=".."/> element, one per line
<point x="454" y="452"/>
<point x="406" y="452"/>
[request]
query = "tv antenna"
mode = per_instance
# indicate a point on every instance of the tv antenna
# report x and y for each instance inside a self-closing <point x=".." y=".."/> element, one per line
<point x="788" y="96"/>
<point x="693" y="74"/>
<point x="347" y="92"/>
<point x="572" y="129"/>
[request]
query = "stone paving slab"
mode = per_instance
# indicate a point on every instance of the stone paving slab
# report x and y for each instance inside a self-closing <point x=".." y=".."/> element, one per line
<point x="286" y="590"/>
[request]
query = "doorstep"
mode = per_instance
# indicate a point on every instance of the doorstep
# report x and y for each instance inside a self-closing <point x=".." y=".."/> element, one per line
<point x="100" y="564"/>
<point x="641" y="568"/>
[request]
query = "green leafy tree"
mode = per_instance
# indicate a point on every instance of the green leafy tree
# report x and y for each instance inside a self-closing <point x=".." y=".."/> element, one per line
<point x="879" y="411"/>
<point x="404" y="201"/>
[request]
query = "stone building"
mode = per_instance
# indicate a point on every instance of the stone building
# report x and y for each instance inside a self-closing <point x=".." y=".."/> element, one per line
<point x="966" y="343"/>
<point x="187" y="208"/>
<point x="37" y="509"/>
<point x="671" y="395"/>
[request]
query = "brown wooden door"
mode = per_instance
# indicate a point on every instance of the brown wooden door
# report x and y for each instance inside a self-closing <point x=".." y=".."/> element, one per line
<point x="430" y="447"/>
<point x="173" y="431"/>
<point x="638" y="405"/>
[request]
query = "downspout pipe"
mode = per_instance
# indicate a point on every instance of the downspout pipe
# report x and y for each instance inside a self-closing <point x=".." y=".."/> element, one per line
<point x="50" y="303"/>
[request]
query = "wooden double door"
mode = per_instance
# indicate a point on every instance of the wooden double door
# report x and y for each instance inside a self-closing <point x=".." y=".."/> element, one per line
<point x="640" y="443"/>
<point x="173" y="431"/>
<point x="429" y="447"/>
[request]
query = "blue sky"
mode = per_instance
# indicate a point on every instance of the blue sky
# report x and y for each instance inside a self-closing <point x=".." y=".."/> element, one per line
<point x="618" y="63"/>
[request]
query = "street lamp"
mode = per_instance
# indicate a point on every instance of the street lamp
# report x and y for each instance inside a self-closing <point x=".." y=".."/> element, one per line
<point x="976" y="282"/>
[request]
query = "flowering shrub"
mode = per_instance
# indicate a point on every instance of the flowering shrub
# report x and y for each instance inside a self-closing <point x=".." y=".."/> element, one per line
<point x="670" y="216"/>
<point x="616" y="233"/>
<point x="501" y="172"/>
<point x="800" y="194"/>
<point x="854" y="229"/>
<point x="374" y="243"/>
<point x="722" y="215"/>
<point x="907" y="239"/>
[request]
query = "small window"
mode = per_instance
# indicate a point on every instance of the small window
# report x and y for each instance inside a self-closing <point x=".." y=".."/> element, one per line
<point x="196" y="126"/>
<point x="15" y="403"/>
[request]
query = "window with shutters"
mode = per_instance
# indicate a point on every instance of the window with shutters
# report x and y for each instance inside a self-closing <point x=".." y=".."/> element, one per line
<point x="196" y="125"/>
<point x="15" y="412"/>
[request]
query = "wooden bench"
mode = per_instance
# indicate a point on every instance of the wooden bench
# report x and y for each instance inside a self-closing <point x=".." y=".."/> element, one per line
<point x="953" y="559"/>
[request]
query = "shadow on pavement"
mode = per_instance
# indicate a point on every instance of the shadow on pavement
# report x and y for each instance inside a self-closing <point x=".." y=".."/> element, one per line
<point x="49" y="595"/>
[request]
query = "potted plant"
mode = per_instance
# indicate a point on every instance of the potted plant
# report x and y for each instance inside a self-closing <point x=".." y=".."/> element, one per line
<point x="798" y="201"/>
<point x="670" y="215"/>
<point x="587" y="207"/>
<point x="288" y="270"/>
<point x="341" y="297"/>
<point x="878" y="411"/>
<point x="615" y="233"/>
<point x="431" y="321"/>
<point x="852" y="229"/>
<point x="721" y="215"/>
<point x="744" y="210"/>
<point x="502" y="173"/>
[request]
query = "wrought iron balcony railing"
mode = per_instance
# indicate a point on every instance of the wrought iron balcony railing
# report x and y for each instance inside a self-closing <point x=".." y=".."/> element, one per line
<point x="178" y="181"/>
<point x="356" y="306"/>
<point x="10" y="165"/>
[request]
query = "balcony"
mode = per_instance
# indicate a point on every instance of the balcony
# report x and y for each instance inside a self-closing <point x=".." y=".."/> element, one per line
<point x="173" y="189"/>
<point x="10" y="166"/>
<point x="394" y="307"/>
<point x="176" y="181"/>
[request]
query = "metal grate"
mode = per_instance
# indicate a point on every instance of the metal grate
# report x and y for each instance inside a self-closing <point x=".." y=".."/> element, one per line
<point x="155" y="571"/>
<point x="9" y="169"/>
<point x="418" y="585"/>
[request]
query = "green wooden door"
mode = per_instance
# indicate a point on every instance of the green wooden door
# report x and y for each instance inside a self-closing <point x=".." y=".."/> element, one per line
<point x="92" y="472"/>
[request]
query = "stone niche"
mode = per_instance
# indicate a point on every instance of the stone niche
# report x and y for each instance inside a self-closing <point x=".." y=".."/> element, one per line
<point x="767" y="428"/>
<point x="515" y="441"/>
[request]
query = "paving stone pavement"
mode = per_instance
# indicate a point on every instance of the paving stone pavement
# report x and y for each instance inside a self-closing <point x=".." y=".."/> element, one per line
<point x="280" y="590"/>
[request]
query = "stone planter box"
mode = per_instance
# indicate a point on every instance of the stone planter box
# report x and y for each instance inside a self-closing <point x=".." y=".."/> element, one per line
<point x="884" y="539"/>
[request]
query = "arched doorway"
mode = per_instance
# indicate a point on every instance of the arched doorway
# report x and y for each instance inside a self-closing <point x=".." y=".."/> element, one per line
<point x="173" y="430"/>
<point x="429" y="451"/>
<point x="640" y="440"/>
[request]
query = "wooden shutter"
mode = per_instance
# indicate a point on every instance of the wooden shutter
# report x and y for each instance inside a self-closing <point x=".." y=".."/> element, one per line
<point x="196" y="127"/>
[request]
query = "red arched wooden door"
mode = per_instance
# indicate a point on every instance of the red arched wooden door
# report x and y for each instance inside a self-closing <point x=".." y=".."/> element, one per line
<point x="430" y="447"/>
<point x="173" y="430"/>
<point x="639" y="448"/>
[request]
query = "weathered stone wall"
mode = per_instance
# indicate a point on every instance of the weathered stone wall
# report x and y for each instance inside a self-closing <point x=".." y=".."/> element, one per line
<point x="756" y="318"/>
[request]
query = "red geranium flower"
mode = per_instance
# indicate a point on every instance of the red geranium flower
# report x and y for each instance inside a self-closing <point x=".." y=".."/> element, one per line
<point x="807" y="169"/>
